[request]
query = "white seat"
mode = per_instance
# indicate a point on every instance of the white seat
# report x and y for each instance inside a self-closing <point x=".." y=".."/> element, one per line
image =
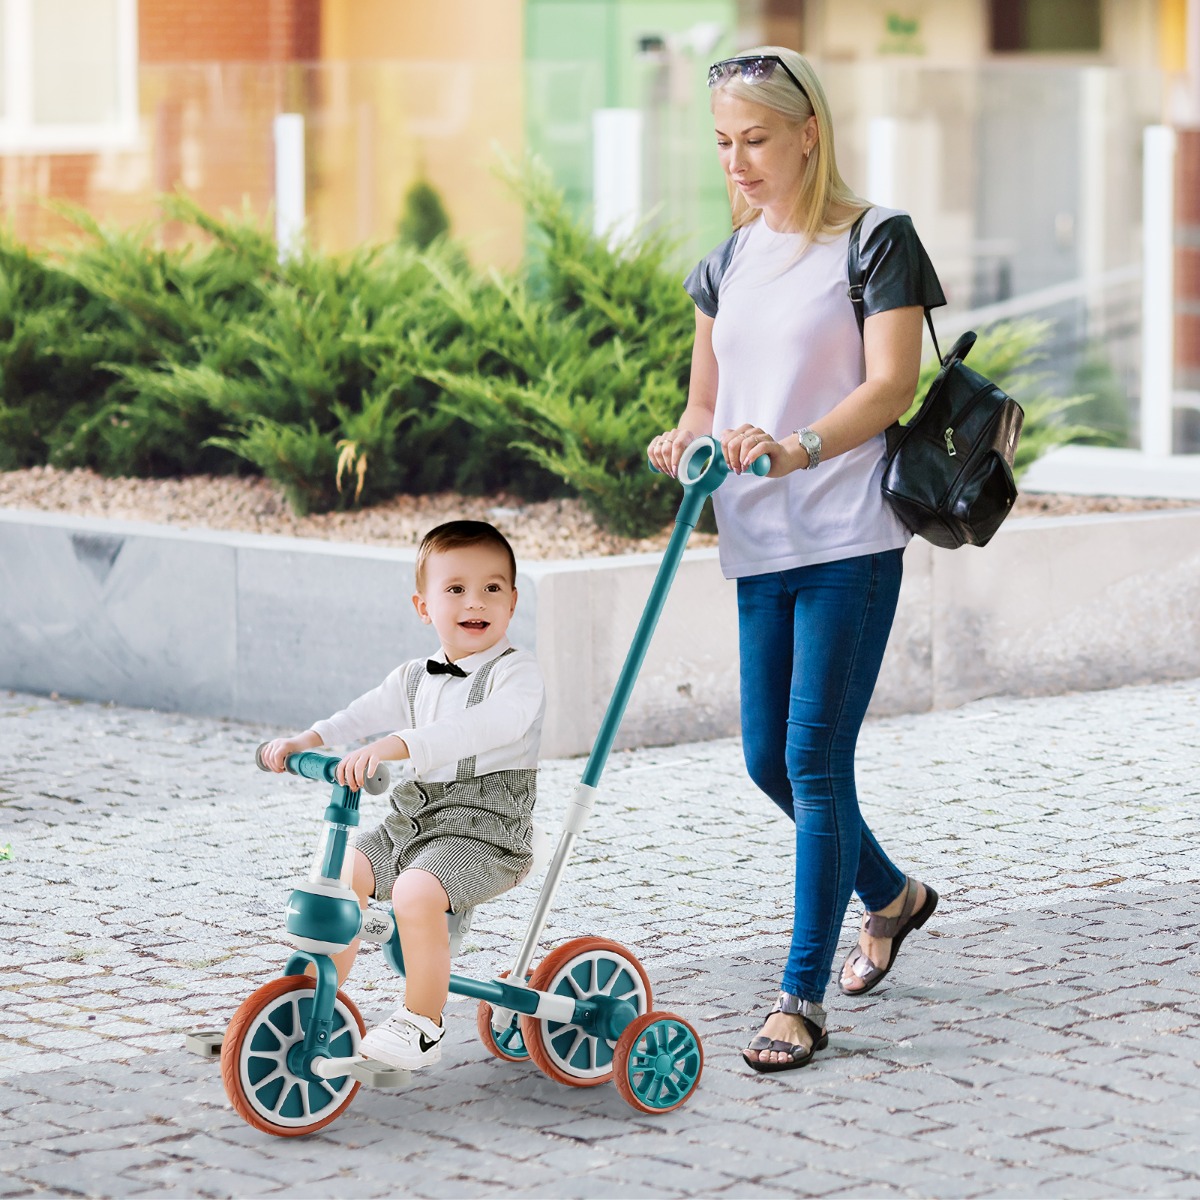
<point x="544" y="843"/>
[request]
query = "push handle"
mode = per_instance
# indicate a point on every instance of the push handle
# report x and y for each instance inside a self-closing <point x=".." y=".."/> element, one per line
<point x="703" y="461"/>
<point x="323" y="767"/>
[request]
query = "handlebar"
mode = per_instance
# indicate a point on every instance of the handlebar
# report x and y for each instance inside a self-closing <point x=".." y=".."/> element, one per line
<point x="703" y="463"/>
<point x="323" y="768"/>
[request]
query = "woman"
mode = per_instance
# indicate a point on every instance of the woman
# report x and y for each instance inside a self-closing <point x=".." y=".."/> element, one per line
<point x="779" y="366"/>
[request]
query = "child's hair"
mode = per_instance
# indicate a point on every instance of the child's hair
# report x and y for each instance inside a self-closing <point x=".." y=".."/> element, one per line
<point x="454" y="535"/>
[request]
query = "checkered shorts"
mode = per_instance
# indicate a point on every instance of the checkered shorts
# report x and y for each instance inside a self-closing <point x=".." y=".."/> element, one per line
<point x="473" y="834"/>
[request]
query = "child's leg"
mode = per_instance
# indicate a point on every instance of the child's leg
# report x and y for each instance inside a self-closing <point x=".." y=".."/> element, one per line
<point x="419" y="904"/>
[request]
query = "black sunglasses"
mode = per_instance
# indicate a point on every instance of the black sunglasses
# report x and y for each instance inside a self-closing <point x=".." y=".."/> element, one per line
<point x="753" y="68"/>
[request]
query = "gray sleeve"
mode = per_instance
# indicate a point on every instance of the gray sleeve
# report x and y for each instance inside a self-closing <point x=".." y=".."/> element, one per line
<point x="703" y="283"/>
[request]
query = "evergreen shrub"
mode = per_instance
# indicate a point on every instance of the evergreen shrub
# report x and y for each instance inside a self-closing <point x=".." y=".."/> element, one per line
<point x="393" y="368"/>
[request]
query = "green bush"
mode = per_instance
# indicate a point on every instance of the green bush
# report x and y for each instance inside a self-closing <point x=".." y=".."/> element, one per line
<point x="424" y="218"/>
<point x="1008" y="353"/>
<point x="394" y="368"/>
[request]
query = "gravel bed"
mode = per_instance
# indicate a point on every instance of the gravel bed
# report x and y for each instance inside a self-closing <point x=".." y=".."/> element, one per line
<point x="552" y="529"/>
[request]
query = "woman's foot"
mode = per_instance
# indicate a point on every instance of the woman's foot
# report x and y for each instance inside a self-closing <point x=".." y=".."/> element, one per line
<point x="882" y="935"/>
<point x="794" y="1031"/>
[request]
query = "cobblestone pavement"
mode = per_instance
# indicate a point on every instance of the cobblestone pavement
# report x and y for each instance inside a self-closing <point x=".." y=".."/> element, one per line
<point x="1039" y="1038"/>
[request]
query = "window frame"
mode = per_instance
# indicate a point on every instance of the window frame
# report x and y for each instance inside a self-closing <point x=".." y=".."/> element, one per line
<point x="20" y="134"/>
<point x="1058" y="54"/>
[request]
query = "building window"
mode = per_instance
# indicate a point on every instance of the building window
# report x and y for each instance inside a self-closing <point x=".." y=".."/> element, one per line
<point x="68" y="75"/>
<point x="1045" y="26"/>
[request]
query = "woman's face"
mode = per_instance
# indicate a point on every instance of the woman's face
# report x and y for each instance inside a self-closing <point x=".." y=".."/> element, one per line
<point x="763" y="153"/>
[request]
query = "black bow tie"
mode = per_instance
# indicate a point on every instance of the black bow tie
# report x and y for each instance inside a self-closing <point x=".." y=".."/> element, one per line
<point x="444" y="668"/>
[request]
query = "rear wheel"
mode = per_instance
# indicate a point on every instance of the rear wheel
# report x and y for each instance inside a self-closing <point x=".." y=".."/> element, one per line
<point x="657" y="1062"/>
<point x="254" y="1059"/>
<point x="507" y="1043"/>
<point x="581" y="970"/>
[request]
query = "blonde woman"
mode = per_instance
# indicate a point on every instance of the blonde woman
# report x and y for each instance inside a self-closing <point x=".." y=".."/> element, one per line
<point x="779" y="367"/>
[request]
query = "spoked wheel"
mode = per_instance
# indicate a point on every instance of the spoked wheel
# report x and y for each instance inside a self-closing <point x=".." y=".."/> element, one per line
<point x="657" y="1062"/>
<point x="508" y="1043"/>
<point x="582" y="969"/>
<point x="254" y="1054"/>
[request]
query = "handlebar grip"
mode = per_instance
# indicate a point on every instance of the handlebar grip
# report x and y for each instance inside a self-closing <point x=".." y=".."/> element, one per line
<point x="760" y="466"/>
<point x="323" y="767"/>
<point x="379" y="782"/>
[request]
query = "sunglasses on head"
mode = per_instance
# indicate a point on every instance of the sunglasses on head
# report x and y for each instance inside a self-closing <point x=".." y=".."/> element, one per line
<point x="753" y="68"/>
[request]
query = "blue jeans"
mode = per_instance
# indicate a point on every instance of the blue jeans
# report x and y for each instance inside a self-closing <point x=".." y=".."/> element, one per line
<point x="812" y="641"/>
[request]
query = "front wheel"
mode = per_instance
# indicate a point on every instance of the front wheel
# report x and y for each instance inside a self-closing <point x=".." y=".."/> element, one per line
<point x="657" y="1062"/>
<point x="254" y="1059"/>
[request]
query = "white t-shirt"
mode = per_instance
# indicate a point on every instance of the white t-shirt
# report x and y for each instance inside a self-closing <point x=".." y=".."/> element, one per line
<point x="788" y="350"/>
<point x="503" y="731"/>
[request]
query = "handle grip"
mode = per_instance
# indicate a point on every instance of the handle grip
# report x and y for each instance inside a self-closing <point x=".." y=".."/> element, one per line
<point x="323" y="767"/>
<point x="760" y="466"/>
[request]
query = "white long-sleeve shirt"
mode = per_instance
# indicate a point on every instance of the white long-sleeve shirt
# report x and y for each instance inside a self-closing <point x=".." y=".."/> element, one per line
<point x="503" y="731"/>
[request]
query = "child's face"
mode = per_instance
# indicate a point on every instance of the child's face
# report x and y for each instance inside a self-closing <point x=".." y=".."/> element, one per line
<point x="468" y="598"/>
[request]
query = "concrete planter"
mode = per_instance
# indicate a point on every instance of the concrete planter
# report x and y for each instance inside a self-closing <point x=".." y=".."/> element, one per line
<point x="283" y="630"/>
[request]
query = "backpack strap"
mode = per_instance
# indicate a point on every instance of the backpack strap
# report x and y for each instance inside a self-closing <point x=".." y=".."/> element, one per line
<point x="854" y="273"/>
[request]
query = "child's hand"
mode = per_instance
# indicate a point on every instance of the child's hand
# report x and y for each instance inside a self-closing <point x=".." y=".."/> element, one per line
<point x="361" y="764"/>
<point x="275" y="754"/>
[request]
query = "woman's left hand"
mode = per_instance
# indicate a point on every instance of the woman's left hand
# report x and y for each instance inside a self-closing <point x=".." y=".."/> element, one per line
<point x="746" y="443"/>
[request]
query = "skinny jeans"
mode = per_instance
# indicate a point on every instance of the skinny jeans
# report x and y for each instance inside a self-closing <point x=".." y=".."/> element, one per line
<point x="812" y="641"/>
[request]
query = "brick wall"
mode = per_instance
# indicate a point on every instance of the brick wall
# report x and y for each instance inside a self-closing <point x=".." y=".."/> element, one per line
<point x="174" y="31"/>
<point x="208" y="135"/>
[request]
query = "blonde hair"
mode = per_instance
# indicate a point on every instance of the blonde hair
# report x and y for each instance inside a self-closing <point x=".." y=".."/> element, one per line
<point x="822" y="188"/>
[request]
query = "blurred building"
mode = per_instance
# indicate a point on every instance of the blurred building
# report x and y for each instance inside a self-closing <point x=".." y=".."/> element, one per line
<point x="1012" y="129"/>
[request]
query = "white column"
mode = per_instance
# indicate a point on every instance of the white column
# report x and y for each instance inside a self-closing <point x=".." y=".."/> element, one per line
<point x="883" y="141"/>
<point x="1093" y="190"/>
<point x="1158" y="289"/>
<point x="616" y="171"/>
<point x="289" y="183"/>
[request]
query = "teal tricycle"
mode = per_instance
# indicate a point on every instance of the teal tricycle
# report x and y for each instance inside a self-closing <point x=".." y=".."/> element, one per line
<point x="583" y="1015"/>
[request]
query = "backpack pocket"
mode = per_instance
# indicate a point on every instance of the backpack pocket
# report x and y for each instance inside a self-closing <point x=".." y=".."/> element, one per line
<point x="982" y="497"/>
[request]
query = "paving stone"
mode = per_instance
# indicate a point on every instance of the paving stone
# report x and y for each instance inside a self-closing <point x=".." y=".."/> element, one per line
<point x="1040" y="1037"/>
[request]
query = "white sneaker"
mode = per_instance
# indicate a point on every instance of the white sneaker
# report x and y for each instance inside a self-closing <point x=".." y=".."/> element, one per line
<point x="405" y="1040"/>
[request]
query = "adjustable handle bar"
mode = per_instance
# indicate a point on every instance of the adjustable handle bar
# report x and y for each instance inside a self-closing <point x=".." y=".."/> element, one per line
<point x="703" y="465"/>
<point x="323" y="767"/>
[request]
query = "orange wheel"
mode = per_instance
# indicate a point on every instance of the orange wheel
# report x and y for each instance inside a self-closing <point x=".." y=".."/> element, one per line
<point x="657" y="1062"/>
<point x="579" y="970"/>
<point x="258" y="1081"/>
<point x="509" y="1043"/>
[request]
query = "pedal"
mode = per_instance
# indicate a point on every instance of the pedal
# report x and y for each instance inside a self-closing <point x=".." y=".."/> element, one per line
<point x="376" y="1074"/>
<point x="205" y="1042"/>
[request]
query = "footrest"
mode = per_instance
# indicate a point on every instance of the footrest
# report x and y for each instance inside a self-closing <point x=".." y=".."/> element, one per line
<point x="204" y="1042"/>
<point x="380" y="1075"/>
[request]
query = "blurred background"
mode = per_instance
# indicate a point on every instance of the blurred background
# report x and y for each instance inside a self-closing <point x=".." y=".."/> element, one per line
<point x="1012" y="130"/>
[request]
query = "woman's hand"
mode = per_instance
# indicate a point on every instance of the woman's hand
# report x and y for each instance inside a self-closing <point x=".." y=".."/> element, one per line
<point x="359" y="765"/>
<point x="667" y="449"/>
<point x="747" y="442"/>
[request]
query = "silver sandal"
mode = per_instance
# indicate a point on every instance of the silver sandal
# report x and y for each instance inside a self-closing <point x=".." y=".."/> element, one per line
<point x="813" y="1016"/>
<point x="897" y="928"/>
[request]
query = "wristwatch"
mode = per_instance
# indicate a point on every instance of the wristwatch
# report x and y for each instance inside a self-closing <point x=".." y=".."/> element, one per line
<point x="811" y="441"/>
